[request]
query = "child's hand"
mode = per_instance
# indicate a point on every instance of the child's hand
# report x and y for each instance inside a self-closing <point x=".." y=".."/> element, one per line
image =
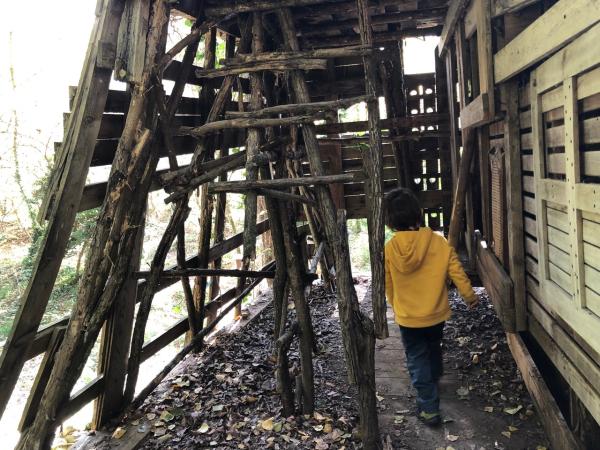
<point x="473" y="304"/>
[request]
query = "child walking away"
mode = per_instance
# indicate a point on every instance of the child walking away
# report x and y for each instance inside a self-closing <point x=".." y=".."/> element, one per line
<point x="417" y="264"/>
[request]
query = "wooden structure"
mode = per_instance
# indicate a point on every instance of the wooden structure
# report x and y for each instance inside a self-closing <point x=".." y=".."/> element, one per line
<point x="501" y="143"/>
<point x="289" y="67"/>
<point x="527" y="95"/>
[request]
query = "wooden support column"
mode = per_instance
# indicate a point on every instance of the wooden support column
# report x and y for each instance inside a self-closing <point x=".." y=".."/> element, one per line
<point x="114" y="346"/>
<point x="64" y="194"/>
<point x="514" y="201"/>
<point x="391" y="70"/>
<point x="357" y="329"/>
<point x="444" y="144"/>
<point x="450" y="58"/>
<point x="221" y="198"/>
<point x="207" y="98"/>
<point x="483" y="138"/>
<point x="373" y="164"/>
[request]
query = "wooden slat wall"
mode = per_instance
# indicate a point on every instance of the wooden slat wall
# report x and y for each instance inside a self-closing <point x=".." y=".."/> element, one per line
<point x="573" y="355"/>
<point x="426" y="161"/>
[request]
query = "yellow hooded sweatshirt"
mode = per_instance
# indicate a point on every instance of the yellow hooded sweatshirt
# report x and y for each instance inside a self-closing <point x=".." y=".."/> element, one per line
<point x="417" y="265"/>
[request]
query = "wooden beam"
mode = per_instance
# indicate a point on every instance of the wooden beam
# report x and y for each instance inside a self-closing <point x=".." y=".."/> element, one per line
<point x="455" y="12"/>
<point x="514" y="202"/>
<point x="475" y="113"/>
<point x="237" y="186"/>
<point x="501" y="7"/>
<point x="559" y="25"/>
<point x="373" y="166"/>
<point x="554" y="423"/>
<point x="378" y="38"/>
<point x="226" y="8"/>
<point x="192" y="272"/>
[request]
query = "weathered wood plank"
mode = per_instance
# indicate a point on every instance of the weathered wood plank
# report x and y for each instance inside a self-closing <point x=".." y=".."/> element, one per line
<point x="554" y="423"/>
<point x="559" y="25"/>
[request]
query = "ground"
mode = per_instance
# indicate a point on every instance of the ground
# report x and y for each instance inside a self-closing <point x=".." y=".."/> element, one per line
<point x="225" y="397"/>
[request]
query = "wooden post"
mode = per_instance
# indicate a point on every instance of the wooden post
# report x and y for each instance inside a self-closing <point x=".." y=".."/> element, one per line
<point x="114" y="346"/>
<point x="373" y="164"/>
<point x="206" y="201"/>
<point x="514" y="199"/>
<point x="357" y="330"/>
<point x="444" y="144"/>
<point x="64" y="195"/>
<point x="295" y="269"/>
<point x="392" y="76"/>
<point x="483" y="140"/>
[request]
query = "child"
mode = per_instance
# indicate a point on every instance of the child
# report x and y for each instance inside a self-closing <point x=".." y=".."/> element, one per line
<point x="417" y="265"/>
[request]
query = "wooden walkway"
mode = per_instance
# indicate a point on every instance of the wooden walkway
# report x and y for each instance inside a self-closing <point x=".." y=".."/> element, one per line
<point x="466" y="424"/>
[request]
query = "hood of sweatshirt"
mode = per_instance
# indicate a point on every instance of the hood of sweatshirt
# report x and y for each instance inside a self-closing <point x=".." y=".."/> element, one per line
<point x="407" y="249"/>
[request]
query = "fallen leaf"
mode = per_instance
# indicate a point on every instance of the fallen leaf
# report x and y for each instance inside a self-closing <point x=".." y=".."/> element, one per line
<point x="489" y="409"/>
<point x="166" y="416"/>
<point x="160" y="432"/>
<point x="476" y="359"/>
<point x="327" y="428"/>
<point x="513" y="411"/>
<point x="506" y="433"/>
<point x="119" y="433"/>
<point x="452" y="438"/>
<point x="203" y="428"/>
<point x="462" y="391"/>
<point x="151" y="416"/>
<point x="267" y="424"/>
<point x="218" y="408"/>
<point x="318" y="427"/>
<point x="512" y="429"/>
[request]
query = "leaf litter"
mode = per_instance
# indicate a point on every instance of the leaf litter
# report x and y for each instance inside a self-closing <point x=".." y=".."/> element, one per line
<point x="225" y="397"/>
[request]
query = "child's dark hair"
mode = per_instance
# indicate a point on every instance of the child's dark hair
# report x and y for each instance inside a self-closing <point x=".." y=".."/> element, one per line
<point x="402" y="210"/>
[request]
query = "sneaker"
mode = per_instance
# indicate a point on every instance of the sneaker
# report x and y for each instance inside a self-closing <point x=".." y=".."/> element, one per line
<point x="430" y="419"/>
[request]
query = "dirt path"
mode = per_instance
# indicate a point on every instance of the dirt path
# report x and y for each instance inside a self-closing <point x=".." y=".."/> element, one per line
<point x="483" y="400"/>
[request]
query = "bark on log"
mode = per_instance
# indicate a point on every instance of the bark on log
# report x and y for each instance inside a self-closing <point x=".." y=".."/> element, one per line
<point x="179" y="216"/>
<point x="193" y="272"/>
<point x="359" y="340"/>
<point x="295" y="269"/>
<point x="276" y="66"/>
<point x="236" y="186"/>
<point x="299" y="109"/>
<point x="373" y="164"/>
<point x="458" y="207"/>
<point x="216" y="127"/>
<point x="284" y="380"/>
<point x="323" y="53"/>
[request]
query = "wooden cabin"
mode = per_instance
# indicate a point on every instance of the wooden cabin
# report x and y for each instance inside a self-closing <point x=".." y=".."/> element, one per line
<point x="501" y="142"/>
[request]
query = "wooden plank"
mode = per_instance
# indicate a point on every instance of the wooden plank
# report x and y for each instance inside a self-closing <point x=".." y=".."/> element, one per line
<point x="585" y="390"/>
<point x="497" y="282"/>
<point x="501" y="7"/>
<point x="114" y="345"/>
<point x="580" y="55"/>
<point x="455" y="11"/>
<point x="41" y="378"/>
<point x="514" y="204"/>
<point x="475" y="113"/>
<point x="554" y="423"/>
<point x="559" y="25"/>
<point x="587" y="196"/>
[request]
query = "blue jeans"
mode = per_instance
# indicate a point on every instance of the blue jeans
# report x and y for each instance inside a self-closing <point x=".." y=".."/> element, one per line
<point x="423" y="347"/>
